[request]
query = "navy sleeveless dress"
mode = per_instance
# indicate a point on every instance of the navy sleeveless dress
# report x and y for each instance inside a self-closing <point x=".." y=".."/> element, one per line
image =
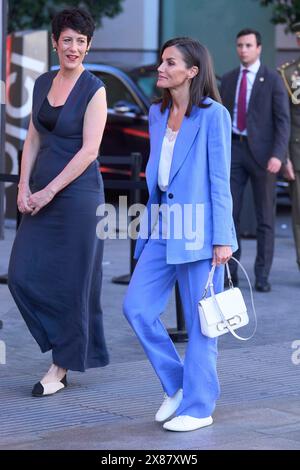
<point x="55" y="270"/>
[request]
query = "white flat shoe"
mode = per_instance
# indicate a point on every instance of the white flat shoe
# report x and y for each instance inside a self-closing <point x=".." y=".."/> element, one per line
<point x="169" y="406"/>
<point x="187" y="423"/>
<point x="41" y="390"/>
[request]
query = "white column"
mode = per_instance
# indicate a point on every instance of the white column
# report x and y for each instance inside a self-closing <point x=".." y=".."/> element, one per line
<point x="131" y="38"/>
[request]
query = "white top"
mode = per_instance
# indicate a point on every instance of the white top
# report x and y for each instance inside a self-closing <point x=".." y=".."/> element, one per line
<point x="251" y="75"/>
<point x="166" y="158"/>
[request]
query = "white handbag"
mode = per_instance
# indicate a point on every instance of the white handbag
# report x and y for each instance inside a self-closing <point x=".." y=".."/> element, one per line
<point x="224" y="312"/>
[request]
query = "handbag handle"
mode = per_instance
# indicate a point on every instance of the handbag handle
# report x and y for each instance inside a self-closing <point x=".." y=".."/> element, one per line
<point x="210" y="285"/>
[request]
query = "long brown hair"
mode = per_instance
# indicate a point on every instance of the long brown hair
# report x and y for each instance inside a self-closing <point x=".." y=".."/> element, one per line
<point x="203" y="84"/>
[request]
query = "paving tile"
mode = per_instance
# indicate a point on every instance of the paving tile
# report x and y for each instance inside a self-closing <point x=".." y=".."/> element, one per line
<point x="113" y="407"/>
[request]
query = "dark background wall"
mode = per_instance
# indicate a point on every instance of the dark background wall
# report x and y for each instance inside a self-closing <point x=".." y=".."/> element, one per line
<point x="215" y="23"/>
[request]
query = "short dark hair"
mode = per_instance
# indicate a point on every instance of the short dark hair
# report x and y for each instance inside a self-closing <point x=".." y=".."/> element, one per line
<point x="204" y="83"/>
<point x="74" y="18"/>
<point x="246" y="31"/>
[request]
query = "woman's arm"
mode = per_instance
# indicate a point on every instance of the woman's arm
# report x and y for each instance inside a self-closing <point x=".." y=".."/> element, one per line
<point x="93" y="127"/>
<point x="29" y="154"/>
<point x="219" y="155"/>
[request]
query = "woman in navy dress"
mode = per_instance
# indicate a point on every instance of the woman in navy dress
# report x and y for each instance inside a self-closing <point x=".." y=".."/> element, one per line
<point x="55" y="270"/>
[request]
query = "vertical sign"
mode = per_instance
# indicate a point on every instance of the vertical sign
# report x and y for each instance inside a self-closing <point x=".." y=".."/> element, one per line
<point x="27" y="57"/>
<point x="3" y="12"/>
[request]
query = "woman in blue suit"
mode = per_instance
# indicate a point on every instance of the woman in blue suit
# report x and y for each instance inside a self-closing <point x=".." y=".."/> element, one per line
<point x="188" y="179"/>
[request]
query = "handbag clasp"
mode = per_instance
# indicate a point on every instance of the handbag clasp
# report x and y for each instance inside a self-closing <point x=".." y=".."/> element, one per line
<point x="234" y="321"/>
<point x="221" y="326"/>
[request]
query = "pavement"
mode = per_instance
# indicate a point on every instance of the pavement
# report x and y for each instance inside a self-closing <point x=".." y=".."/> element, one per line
<point x="113" y="408"/>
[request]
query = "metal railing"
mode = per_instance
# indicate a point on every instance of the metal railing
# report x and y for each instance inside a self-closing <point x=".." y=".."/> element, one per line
<point x="135" y="186"/>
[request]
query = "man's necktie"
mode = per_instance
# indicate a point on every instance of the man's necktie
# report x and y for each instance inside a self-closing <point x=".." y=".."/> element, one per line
<point x="241" y="108"/>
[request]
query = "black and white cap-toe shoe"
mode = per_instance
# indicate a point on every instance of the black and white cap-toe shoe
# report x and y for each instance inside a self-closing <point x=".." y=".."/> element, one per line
<point x="41" y="390"/>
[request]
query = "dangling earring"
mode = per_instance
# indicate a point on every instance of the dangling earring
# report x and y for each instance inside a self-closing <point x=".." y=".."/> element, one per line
<point x="54" y="49"/>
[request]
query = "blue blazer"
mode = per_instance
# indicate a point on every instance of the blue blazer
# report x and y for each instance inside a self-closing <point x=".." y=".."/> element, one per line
<point x="199" y="178"/>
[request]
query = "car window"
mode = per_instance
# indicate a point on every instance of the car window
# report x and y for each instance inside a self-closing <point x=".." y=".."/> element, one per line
<point x="148" y="84"/>
<point x="115" y="90"/>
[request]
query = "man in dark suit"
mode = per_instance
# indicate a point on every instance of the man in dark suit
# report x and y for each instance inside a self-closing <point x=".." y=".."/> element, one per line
<point x="258" y="104"/>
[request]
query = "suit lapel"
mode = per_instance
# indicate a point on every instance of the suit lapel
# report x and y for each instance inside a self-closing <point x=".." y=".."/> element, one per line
<point x="158" y="130"/>
<point x="257" y="86"/>
<point x="185" y="138"/>
<point x="232" y="90"/>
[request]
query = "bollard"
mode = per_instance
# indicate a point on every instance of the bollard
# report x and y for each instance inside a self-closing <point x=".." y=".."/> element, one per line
<point x="135" y="197"/>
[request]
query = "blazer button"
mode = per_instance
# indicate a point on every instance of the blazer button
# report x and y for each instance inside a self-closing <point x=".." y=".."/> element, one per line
<point x="170" y="196"/>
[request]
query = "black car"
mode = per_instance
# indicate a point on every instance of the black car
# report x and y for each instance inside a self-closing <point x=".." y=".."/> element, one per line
<point x="130" y="92"/>
<point x="129" y="96"/>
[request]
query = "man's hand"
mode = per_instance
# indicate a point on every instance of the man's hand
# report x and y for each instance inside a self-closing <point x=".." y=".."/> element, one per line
<point x="221" y="254"/>
<point x="40" y="199"/>
<point x="274" y="165"/>
<point x="288" y="171"/>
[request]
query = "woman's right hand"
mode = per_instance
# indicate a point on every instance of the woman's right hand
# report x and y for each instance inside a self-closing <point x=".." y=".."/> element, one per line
<point x="24" y="194"/>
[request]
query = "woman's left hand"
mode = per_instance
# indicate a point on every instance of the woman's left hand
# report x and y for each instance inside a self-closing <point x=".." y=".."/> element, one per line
<point x="221" y="254"/>
<point x="40" y="199"/>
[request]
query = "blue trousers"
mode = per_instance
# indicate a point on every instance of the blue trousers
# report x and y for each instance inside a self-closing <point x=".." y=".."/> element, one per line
<point x="146" y="299"/>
